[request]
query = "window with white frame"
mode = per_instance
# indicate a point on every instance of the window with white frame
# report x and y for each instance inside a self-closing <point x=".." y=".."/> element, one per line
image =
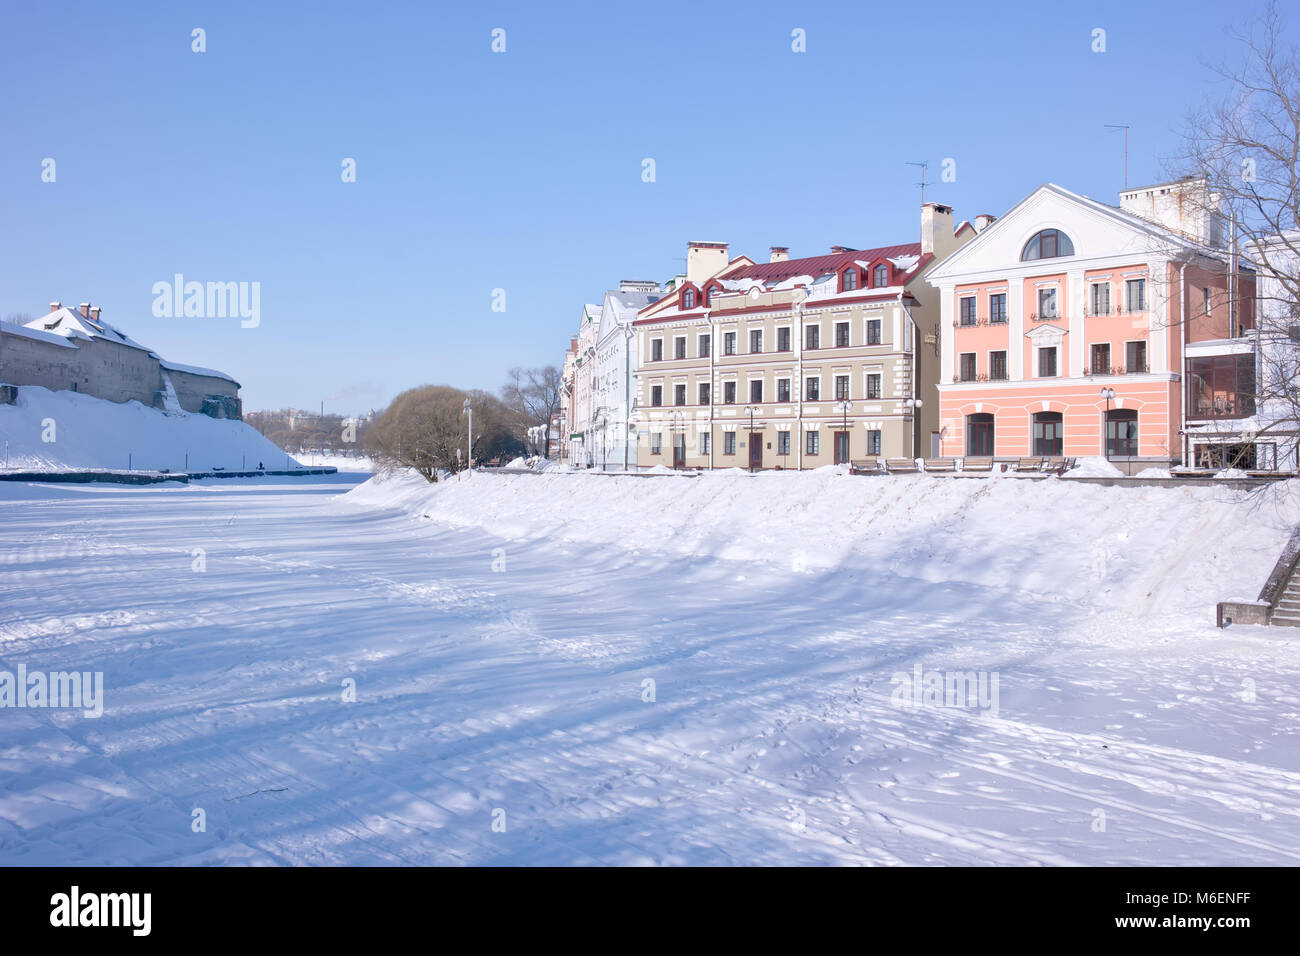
<point x="1137" y="295"/>
<point x="812" y="444"/>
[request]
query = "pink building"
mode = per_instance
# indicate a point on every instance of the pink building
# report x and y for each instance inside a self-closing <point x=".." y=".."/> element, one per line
<point x="1067" y="327"/>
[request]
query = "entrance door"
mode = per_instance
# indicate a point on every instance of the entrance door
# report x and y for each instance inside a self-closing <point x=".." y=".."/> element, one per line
<point x="841" y="447"/>
<point x="679" y="451"/>
<point x="755" y="450"/>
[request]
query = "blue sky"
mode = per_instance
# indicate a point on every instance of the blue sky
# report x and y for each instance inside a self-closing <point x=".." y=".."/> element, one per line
<point x="522" y="170"/>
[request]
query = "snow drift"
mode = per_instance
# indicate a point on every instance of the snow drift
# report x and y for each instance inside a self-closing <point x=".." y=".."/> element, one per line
<point x="1136" y="550"/>
<point x="92" y="433"/>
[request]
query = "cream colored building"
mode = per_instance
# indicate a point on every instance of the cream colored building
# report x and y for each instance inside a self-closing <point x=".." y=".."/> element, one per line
<point x="794" y="363"/>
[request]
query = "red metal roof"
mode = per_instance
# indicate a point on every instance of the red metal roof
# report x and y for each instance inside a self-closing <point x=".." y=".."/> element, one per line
<point x="821" y="265"/>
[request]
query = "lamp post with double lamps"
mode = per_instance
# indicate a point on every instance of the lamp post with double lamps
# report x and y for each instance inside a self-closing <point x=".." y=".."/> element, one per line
<point x="913" y="404"/>
<point x="1109" y="395"/>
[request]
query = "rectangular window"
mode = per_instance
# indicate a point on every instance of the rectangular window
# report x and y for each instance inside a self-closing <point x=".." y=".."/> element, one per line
<point x="704" y="390"/>
<point x="966" y="367"/>
<point x="705" y="444"/>
<point x="1101" y="298"/>
<point x="1206" y="293"/>
<point x="967" y="310"/>
<point x="729" y="393"/>
<point x="813" y="389"/>
<point x="1047" y="303"/>
<point x="842" y="387"/>
<point x="998" y="309"/>
<point x="1101" y="359"/>
<point x="811" y="444"/>
<point x="783" y="390"/>
<point x="656" y="350"/>
<point x="656" y="443"/>
<point x="679" y="394"/>
<point x="873" y="331"/>
<point x="1137" y="295"/>
<point x="783" y="339"/>
<point x="729" y="343"/>
<point x="873" y="386"/>
<point x="756" y="341"/>
<point x="679" y="347"/>
<point x="704" y="346"/>
<point x="873" y="441"/>
<point x="1047" y="362"/>
<point x="656" y="395"/>
<point x="783" y="443"/>
<point x="812" y="337"/>
<point x="728" y="443"/>
<point x="756" y="390"/>
<point x="1135" y="357"/>
<point x="841" y="335"/>
<point x="998" y="366"/>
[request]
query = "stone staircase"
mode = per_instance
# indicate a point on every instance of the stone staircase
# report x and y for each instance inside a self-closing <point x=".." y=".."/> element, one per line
<point x="1286" y="612"/>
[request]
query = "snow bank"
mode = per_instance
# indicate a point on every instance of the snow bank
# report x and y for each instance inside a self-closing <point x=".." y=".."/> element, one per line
<point x="1095" y="468"/>
<point x="1137" y="548"/>
<point x="89" y="432"/>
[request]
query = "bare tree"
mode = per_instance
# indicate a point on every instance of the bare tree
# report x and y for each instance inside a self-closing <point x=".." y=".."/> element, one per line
<point x="533" y="395"/>
<point x="1245" y="145"/>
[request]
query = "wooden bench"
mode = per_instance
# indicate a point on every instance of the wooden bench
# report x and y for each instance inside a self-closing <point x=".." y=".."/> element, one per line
<point x="977" y="464"/>
<point x="901" y="465"/>
<point x="866" y="466"/>
<point x="940" y="464"/>
<point x="1029" y="464"/>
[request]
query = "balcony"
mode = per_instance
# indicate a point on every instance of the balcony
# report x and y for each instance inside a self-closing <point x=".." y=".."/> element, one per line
<point x="1221" y="386"/>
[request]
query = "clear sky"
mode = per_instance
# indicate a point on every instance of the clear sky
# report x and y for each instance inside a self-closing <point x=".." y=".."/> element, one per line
<point x="522" y="170"/>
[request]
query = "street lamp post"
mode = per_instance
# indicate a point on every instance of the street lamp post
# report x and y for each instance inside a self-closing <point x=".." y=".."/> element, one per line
<point x="750" y="410"/>
<point x="844" y="407"/>
<point x="1109" y="395"/>
<point x="913" y="404"/>
<point x="468" y="409"/>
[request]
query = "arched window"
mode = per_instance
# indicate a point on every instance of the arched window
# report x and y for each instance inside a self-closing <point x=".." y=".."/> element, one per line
<point x="1121" y="433"/>
<point x="1048" y="244"/>
<point x="882" y="276"/>
<point x="688" y="299"/>
<point x="1049" y="436"/>
<point x="850" y="279"/>
<point x="979" y="435"/>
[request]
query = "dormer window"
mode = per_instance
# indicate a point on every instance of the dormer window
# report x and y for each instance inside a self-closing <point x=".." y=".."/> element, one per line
<point x="1048" y="244"/>
<point x="688" y="299"/>
<point x="708" y="296"/>
<point x="850" y="280"/>
<point x="881" y="276"/>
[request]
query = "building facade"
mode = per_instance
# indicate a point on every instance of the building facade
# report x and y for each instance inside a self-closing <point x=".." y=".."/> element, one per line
<point x="582" y="437"/>
<point x="1273" y="431"/>
<point x="1068" y="327"/>
<point x="615" y="366"/>
<point x="76" y="350"/>
<point x="794" y="363"/>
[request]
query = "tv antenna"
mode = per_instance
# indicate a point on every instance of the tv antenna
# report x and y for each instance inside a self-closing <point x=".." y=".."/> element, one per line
<point x="1124" y="127"/>
<point x="922" y="183"/>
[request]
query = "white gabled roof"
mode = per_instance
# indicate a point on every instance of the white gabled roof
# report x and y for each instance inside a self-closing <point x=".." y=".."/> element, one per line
<point x="71" y="324"/>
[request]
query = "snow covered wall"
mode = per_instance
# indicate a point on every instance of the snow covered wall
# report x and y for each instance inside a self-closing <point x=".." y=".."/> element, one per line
<point x="1133" y="551"/>
<point x="89" y="432"/>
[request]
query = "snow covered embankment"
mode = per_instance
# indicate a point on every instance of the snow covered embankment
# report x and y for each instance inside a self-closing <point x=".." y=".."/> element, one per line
<point x="1132" y="550"/>
<point x="91" y="433"/>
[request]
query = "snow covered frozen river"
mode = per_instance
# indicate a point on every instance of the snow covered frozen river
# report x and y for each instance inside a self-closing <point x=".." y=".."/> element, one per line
<point x="532" y="701"/>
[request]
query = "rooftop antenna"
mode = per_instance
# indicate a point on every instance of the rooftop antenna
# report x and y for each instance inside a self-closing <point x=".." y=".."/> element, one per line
<point x="1124" y="127"/>
<point x="922" y="183"/>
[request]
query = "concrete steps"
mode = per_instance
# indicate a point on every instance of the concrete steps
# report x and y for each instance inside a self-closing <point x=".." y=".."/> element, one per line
<point x="1286" y="613"/>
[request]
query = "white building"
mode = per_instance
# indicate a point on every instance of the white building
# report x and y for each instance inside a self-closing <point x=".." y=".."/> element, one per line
<point x="582" y="443"/>
<point x="615" y="370"/>
<point x="1276" y="424"/>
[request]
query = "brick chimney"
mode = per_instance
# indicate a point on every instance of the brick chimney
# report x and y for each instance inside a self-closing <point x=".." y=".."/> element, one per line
<point x="936" y="229"/>
<point x="55" y="306"/>
<point x="704" y="260"/>
<point x="84" y="309"/>
<point x="94" y="312"/>
<point x="779" y="254"/>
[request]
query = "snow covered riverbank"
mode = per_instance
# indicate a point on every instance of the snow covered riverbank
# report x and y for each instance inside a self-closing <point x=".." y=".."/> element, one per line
<point x="1148" y="551"/>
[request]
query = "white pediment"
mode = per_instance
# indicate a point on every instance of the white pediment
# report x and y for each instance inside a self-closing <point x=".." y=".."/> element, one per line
<point x="1096" y="231"/>
<point x="1046" y="334"/>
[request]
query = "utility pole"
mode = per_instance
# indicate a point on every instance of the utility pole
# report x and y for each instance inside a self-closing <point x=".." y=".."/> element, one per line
<point x="924" y="166"/>
<point x="1124" y="127"/>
